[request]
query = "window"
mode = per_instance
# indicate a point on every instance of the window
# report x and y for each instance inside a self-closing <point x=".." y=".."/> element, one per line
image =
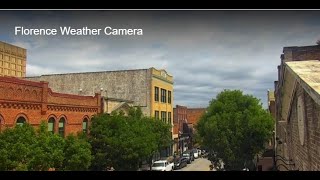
<point x="21" y="121"/>
<point x="61" y="127"/>
<point x="169" y="117"/>
<point x="169" y="97"/>
<point x="51" y="125"/>
<point x="156" y="114"/>
<point x="156" y="93"/>
<point x="163" y="116"/>
<point x="85" y="126"/>
<point x="163" y="95"/>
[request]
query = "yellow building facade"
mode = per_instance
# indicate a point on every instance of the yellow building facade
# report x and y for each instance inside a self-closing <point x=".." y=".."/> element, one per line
<point x="12" y="60"/>
<point x="162" y="97"/>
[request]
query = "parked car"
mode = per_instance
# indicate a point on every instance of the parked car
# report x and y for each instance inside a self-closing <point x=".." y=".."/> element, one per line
<point x="199" y="152"/>
<point x="162" y="165"/>
<point x="195" y="153"/>
<point x="180" y="162"/>
<point x="189" y="156"/>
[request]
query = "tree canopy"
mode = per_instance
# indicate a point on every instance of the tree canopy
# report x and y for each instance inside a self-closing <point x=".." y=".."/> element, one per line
<point x="122" y="142"/>
<point x="234" y="129"/>
<point x="24" y="148"/>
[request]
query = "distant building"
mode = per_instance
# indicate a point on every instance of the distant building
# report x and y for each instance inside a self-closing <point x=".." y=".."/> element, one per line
<point x="265" y="161"/>
<point x="297" y="109"/>
<point x="12" y="60"/>
<point x="180" y="118"/>
<point x="271" y="103"/>
<point x="194" y="114"/>
<point x="151" y="89"/>
<point x="23" y="101"/>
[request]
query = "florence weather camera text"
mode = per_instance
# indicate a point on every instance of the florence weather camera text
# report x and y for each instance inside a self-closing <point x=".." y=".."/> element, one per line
<point x="83" y="31"/>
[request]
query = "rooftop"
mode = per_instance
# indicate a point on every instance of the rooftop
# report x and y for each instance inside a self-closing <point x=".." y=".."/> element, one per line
<point x="62" y="74"/>
<point x="307" y="73"/>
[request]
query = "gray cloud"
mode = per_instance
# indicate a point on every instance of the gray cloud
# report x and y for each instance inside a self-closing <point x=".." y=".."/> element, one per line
<point x="205" y="51"/>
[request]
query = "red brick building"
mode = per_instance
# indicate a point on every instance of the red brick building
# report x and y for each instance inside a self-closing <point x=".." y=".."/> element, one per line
<point x="297" y="109"/>
<point x="194" y="115"/>
<point x="180" y="118"/>
<point x="32" y="102"/>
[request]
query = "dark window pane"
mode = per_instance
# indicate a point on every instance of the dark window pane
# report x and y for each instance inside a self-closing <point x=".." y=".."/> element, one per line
<point x="61" y="127"/>
<point x="156" y="93"/>
<point x="21" y="121"/>
<point x="85" y="125"/>
<point x="51" y="125"/>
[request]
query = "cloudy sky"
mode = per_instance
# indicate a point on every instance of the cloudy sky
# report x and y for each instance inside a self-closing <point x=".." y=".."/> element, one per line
<point x="205" y="51"/>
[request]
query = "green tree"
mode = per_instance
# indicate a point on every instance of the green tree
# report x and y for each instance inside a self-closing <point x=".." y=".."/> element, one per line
<point x="15" y="147"/>
<point x="47" y="151"/>
<point x="162" y="137"/>
<point x="234" y="129"/>
<point x="123" y="141"/>
<point x="77" y="154"/>
<point x="23" y="148"/>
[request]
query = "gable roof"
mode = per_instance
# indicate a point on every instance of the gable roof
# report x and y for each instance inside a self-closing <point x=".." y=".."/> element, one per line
<point x="120" y="105"/>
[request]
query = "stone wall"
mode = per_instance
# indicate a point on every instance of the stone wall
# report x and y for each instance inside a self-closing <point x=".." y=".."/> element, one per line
<point x="131" y="85"/>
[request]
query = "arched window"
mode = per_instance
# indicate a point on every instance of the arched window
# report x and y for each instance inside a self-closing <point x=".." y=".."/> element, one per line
<point x="85" y="126"/>
<point x="62" y="126"/>
<point x="21" y="120"/>
<point x="51" y="124"/>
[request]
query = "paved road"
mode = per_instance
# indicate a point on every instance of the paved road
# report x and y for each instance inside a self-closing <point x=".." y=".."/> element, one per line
<point x="200" y="164"/>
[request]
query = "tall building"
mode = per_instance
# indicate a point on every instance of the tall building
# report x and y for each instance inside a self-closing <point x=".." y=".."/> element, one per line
<point x="151" y="89"/>
<point x="297" y="109"/>
<point x="12" y="60"/>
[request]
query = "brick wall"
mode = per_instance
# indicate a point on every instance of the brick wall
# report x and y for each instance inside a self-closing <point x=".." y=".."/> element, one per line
<point x="194" y="115"/>
<point x="307" y="156"/>
<point x="301" y="53"/>
<point x="180" y="116"/>
<point x="36" y="102"/>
